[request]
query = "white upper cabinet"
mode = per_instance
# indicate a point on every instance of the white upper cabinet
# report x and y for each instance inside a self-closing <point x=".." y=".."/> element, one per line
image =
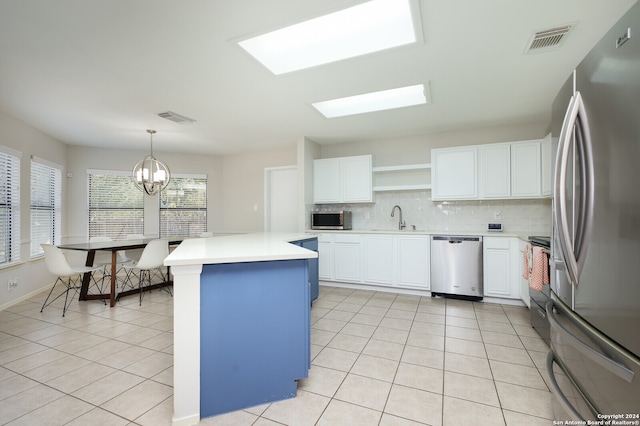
<point x="526" y="169"/>
<point x="454" y="173"/>
<point x="494" y="170"/>
<point x="343" y="180"/>
<point x="326" y="181"/>
<point x="515" y="169"/>
<point x="357" y="179"/>
<point x="547" y="166"/>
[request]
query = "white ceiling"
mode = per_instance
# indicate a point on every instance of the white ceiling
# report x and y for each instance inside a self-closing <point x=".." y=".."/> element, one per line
<point x="97" y="72"/>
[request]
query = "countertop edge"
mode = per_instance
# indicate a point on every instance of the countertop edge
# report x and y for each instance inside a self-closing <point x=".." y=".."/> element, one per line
<point x="253" y="247"/>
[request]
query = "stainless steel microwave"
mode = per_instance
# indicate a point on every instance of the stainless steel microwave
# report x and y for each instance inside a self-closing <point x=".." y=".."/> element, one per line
<point x="331" y="220"/>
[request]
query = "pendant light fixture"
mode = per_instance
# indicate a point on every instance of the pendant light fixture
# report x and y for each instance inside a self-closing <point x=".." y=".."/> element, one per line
<point x="150" y="174"/>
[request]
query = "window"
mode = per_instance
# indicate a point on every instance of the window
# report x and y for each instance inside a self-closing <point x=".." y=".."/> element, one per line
<point x="46" y="203"/>
<point x="183" y="206"/>
<point x="116" y="206"/>
<point x="9" y="206"/>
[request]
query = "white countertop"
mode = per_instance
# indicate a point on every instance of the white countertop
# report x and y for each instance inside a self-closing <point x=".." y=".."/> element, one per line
<point x="422" y="232"/>
<point x="238" y="248"/>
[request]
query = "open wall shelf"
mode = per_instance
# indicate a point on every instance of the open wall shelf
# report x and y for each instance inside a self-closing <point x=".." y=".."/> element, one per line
<point x="408" y="177"/>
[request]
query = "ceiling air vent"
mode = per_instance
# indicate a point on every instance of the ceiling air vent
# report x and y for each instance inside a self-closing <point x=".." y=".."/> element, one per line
<point x="546" y="40"/>
<point x="169" y="115"/>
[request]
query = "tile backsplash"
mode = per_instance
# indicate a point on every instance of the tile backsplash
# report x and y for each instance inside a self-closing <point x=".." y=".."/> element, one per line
<point x="527" y="217"/>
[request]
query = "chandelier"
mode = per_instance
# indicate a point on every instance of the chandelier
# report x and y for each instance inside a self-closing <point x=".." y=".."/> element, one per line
<point x="150" y="174"/>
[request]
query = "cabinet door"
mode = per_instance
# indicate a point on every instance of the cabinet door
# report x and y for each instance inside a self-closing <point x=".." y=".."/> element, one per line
<point x="312" y="244"/>
<point x="518" y="264"/>
<point x="494" y="171"/>
<point x="378" y="259"/>
<point x="547" y="166"/>
<point x="348" y="258"/>
<point x="496" y="273"/>
<point x="325" y="260"/>
<point x="454" y="173"/>
<point x="413" y="261"/>
<point x="497" y="266"/>
<point x="525" y="170"/>
<point x="326" y="181"/>
<point x="357" y="177"/>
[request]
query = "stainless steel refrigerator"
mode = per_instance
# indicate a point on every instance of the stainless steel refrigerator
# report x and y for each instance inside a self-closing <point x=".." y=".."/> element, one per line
<point x="594" y="312"/>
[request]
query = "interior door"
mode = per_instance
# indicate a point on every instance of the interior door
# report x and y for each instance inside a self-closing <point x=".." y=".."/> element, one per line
<point x="281" y="199"/>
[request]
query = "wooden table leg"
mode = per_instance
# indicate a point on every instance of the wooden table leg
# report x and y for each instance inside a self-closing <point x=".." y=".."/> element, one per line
<point x="86" y="278"/>
<point x="112" y="295"/>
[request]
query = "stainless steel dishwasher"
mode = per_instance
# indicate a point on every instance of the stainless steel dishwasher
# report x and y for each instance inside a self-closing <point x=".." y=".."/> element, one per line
<point x="456" y="266"/>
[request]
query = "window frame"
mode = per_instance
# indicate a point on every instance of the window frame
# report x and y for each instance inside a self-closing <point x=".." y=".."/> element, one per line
<point x="51" y="203"/>
<point x="10" y="160"/>
<point x="129" y="224"/>
<point x="164" y="208"/>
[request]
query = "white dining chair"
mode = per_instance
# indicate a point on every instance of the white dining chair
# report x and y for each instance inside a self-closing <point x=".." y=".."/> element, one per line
<point x="69" y="276"/>
<point x="151" y="263"/>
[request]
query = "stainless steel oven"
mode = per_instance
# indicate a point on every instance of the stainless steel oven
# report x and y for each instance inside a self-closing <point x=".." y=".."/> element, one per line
<point x="539" y="298"/>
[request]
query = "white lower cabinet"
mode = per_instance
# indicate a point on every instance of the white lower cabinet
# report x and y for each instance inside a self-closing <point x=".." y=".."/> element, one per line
<point x="500" y="277"/>
<point x="347" y="251"/>
<point x="524" y="283"/>
<point x="325" y="257"/>
<point x="378" y="259"/>
<point x="413" y="261"/>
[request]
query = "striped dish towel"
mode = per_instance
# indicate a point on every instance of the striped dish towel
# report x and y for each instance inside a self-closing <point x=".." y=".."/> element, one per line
<point x="536" y="267"/>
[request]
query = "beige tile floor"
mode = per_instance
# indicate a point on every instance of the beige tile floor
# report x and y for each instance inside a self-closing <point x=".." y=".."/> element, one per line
<point x="377" y="359"/>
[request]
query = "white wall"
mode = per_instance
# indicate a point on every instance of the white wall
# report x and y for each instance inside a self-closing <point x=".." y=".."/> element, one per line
<point x="417" y="149"/>
<point x="29" y="141"/>
<point x="243" y="199"/>
<point x="83" y="158"/>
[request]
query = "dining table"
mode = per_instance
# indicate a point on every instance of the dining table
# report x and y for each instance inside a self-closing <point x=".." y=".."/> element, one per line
<point x="114" y="247"/>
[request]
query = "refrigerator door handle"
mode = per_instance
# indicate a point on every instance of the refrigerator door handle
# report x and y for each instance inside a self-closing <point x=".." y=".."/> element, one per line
<point x="585" y="213"/>
<point x="614" y="367"/>
<point x="562" y="222"/>
<point x="574" y="257"/>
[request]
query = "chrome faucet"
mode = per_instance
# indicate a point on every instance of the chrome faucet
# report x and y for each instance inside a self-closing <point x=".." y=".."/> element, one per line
<point x="401" y="224"/>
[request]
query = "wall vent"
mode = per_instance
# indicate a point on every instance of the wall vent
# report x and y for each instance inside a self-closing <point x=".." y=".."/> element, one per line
<point x="170" y="115"/>
<point x="543" y="41"/>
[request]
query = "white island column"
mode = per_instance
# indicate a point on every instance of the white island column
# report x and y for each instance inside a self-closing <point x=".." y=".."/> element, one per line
<point x="186" y="344"/>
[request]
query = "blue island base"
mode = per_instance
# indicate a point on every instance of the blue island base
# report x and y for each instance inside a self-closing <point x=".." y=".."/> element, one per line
<point x="254" y="333"/>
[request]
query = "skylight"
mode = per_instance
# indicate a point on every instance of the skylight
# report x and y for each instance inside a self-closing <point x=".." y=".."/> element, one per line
<point x="368" y="27"/>
<point x="374" y="101"/>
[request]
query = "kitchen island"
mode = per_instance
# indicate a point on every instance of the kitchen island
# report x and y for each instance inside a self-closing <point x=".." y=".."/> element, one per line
<point x="241" y="322"/>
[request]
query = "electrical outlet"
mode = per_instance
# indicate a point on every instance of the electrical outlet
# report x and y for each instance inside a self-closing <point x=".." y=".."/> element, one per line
<point x="497" y="214"/>
<point x="12" y="283"/>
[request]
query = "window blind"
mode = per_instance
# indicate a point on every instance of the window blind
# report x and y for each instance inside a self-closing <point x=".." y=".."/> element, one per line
<point x="9" y="207"/>
<point x="183" y="206"/>
<point x="46" y="205"/>
<point x="116" y="206"/>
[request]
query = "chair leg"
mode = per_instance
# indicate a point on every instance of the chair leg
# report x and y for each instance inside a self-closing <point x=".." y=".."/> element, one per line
<point x="140" y="282"/>
<point x="69" y="284"/>
<point x="45" y="304"/>
<point x="100" y="286"/>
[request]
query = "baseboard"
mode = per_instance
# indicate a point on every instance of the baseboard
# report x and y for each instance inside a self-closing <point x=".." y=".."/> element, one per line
<point x="24" y="297"/>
